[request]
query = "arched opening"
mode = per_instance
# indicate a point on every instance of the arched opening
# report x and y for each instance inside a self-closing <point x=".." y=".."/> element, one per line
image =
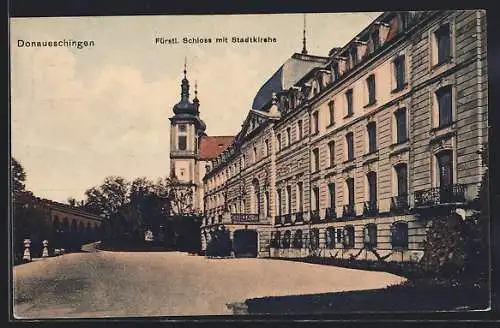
<point x="286" y="239"/>
<point x="245" y="243"/>
<point x="57" y="229"/>
<point x="370" y="236"/>
<point x="88" y="232"/>
<point x="297" y="239"/>
<point x="399" y="235"/>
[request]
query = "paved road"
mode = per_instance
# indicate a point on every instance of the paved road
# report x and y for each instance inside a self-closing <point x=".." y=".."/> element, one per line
<point x="114" y="284"/>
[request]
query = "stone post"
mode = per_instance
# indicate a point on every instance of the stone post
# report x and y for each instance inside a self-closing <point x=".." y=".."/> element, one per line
<point x="45" y="252"/>
<point x="27" y="254"/>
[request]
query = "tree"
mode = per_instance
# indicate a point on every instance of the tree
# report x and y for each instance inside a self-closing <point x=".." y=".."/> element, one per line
<point x="18" y="176"/>
<point x="180" y="197"/>
<point x="457" y="248"/>
<point x="108" y="198"/>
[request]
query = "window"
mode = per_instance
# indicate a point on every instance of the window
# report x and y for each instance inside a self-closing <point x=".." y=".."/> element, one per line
<point x="350" y="146"/>
<point x="350" y="191"/>
<point x="370" y="84"/>
<point x="297" y="239"/>
<point x="315" y="159"/>
<point x="443" y="44"/>
<point x="402" y="179"/>
<point x="288" y="136"/>
<point x="401" y="134"/>
<point x="182" y="143"/>
<point x="331" y="195"/>
<point x="315" y="122"/>
<point x="400" y="72"/>
<point x="370" y="236"/>
<point x="255" y="154"/>
<point x="278" y="141"/>
<point x="348" y="235"/>
<point x="445" y="167"/>
<point x="336" y="71"/>
<point x="276" y="240"/>
<point x="331" y="111"/>
<point x="444" y="104"/>
<point x="289" y="200"/>
<point x="348" y="97"/>
<point x="267" y="205"/>
<point x="300" y="197"/>
<point x="339" y="236"/>
<point x="316" y="198"/>
<point x="372" y="186"/>
<point x="266" y="147"/>
<point x="299" y="130"/>
<point x="286" y="239"/>
<point x="314" y="238"/>
<point x="375" y="37"/>
<point x="372" y="137"/>
<point x="399" y="235"/>
<point x="331" y="152"/>
<point x="353" y="53"/>
<point x="330" y="237"/>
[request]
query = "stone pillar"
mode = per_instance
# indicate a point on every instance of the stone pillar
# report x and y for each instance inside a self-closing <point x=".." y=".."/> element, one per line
<point x="45" y="252"/>
<point x="27" y="254"/>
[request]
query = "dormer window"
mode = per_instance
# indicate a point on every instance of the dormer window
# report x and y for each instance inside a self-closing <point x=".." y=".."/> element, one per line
<point x="336" y="71"/>
<point x="353" y="54"/>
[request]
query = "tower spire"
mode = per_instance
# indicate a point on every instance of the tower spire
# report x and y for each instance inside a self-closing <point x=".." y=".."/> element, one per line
<point x="185" y="66"/>
<point x="196" y="101"/>
<point x="304" y="48"/>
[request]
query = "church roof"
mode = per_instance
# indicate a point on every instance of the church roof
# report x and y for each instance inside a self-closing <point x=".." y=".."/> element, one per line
<point x="212" y="146"/>
<point x="286" y="76"/>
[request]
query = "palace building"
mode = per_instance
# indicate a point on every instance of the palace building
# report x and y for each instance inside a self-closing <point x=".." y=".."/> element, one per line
<point x="352" y="154"/>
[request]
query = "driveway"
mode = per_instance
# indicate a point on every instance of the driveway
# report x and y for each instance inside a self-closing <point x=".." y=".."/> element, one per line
<point x="119" y="284"/>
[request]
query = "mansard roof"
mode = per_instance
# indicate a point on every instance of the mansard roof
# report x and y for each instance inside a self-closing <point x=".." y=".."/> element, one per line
<point x="286" y="76"/>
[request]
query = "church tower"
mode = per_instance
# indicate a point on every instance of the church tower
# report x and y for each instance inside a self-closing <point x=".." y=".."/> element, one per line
<point x="186" y="131"/>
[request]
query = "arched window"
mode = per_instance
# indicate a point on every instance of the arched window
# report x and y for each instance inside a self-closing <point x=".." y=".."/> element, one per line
<point x="275" y="239"/>
<point x="297" y="239"/>
<point x="399" y="235"/>
<point x="330" y="237"/>
<point x="256" y="196"/>
<point x="314" y="238"/>
<point x="286" y="239"/>
<point x="370" y="236"/>
<point x="348" y="235"/>
<point x="74" y="226"/>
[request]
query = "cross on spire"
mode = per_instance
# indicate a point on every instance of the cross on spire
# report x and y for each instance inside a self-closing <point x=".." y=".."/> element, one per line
<point x="304" y="49"/>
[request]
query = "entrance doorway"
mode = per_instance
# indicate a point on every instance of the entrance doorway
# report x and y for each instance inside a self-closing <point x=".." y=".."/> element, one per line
<point x="245" y="243"/>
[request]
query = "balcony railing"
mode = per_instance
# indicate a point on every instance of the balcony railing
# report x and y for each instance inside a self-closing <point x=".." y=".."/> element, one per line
<point x="440" y="195"/>
<point x="315" y="217"/>
<point x="244" y="217"/>
<point x="348" y="211"/>
<point x="330" y="213"/>
<point x="399" y="204"/>
<point x="299" y="217"/>
<point x="288" y="218"/>
<point x="370" y="208"/>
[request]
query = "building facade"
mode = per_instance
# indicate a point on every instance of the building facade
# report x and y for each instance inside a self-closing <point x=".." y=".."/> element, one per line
<point x="353" y="154"/>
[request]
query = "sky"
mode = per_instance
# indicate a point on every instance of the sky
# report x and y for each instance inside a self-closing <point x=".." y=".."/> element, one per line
<point x="78" y="116"/>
